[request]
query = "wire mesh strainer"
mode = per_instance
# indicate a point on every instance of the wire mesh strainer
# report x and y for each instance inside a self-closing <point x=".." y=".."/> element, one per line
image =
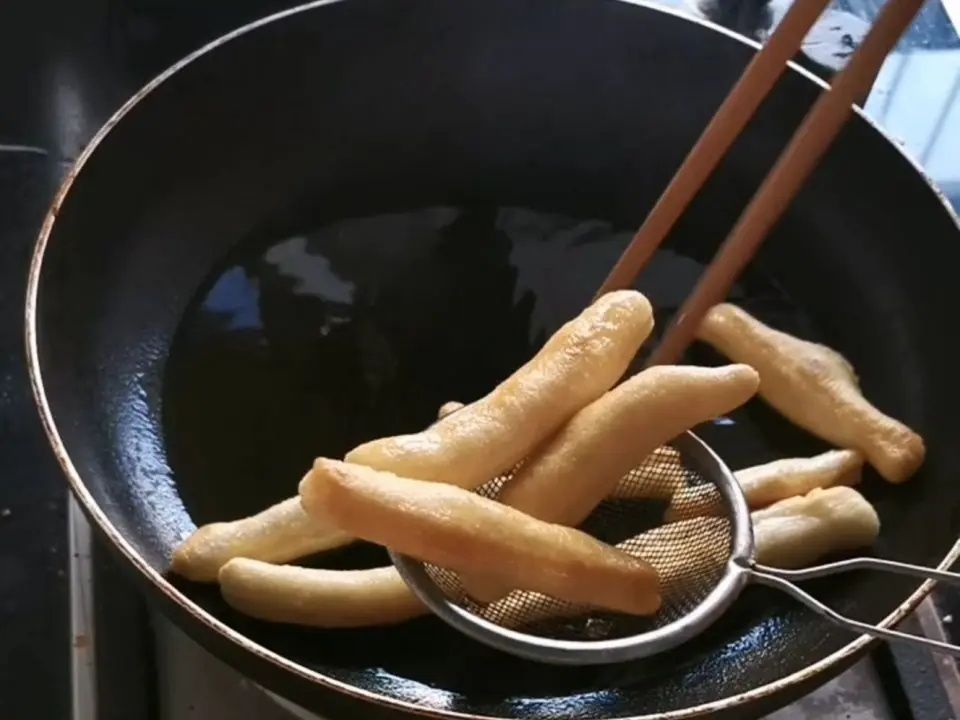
<point x="703" y="563"/>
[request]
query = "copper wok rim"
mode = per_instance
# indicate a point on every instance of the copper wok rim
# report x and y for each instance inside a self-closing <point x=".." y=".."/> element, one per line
<point x="95" y="513"/>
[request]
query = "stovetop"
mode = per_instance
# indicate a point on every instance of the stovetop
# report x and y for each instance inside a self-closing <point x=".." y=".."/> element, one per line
<point x="65" y="65"/>
<point x="182" y="681"/>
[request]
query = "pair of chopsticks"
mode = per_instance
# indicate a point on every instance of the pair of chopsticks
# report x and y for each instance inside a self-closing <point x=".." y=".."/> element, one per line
<point x="792" y="168"/>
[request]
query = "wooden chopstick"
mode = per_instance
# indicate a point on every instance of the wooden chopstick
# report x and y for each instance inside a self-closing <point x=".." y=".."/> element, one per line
<point x="796" y="162"/>
<point x="729" y="121"/>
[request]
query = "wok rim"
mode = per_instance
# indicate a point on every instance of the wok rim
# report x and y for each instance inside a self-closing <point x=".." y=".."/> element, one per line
<point x="835" y="661"/>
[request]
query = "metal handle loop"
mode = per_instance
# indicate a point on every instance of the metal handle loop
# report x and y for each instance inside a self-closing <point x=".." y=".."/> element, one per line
<point x="784" y="580"/>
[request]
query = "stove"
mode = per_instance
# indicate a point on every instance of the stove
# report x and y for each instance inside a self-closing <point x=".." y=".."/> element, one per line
<point x="134" y="664"/>
<point x="164" y="675"/>
<point x="65" y="66"/>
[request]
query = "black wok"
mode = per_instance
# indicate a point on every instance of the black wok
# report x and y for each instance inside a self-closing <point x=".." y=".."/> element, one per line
<point x="204" y="317"/>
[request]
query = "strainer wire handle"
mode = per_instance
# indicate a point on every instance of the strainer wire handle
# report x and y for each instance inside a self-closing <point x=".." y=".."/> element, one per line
<point x="784" y="580"/>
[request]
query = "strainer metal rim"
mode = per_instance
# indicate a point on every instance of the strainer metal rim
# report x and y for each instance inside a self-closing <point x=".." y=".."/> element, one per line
<point x="624" y="649"/>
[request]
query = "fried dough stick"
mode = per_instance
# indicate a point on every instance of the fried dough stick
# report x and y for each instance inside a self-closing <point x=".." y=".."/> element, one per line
<point x="464" y="532"/>
<point x="579" y="363"/>
<point x="815" y="388"/>
<point x="361" y="598"/>
<point x="647" y="481"/>
<point x="666" y="548"/>
<point x="798" y="531"/>
<point x="279" y="534"/>
<point x="790" y="534"/>
<point x="299" y="595"/>
<point x="318" y="598"/>
<point x="583" y="463"/>
<point x="774" y="481"/>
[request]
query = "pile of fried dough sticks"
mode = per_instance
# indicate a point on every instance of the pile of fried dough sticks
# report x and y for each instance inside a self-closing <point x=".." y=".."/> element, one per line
<point x="563" y="435"/>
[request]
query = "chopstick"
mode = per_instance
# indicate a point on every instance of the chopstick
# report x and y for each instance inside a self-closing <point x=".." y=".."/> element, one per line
<point x="792" y="168"/>
<point x="731" y="118"/>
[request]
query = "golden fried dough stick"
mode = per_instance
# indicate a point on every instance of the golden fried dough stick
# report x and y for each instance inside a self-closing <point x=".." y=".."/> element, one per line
<point x="279" y="534"/>
<point x="647" y="481"/>
<point x="680" y="553"/>
<point x="815" y="388"/>
<point x="582" y="464"/>
<point x="318" y="598"/>
<point x="464" y="532"/>
<point x="644" y="482"/>
<point x="791" y="534"/>
<point x="798" y="531"/>
<point x="580" y="362"/>
<point x="363" y="598"/>
<point x="766" y="484"/>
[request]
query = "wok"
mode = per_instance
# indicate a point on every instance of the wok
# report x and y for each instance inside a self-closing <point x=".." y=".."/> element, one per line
<point x="321" y="227"/>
